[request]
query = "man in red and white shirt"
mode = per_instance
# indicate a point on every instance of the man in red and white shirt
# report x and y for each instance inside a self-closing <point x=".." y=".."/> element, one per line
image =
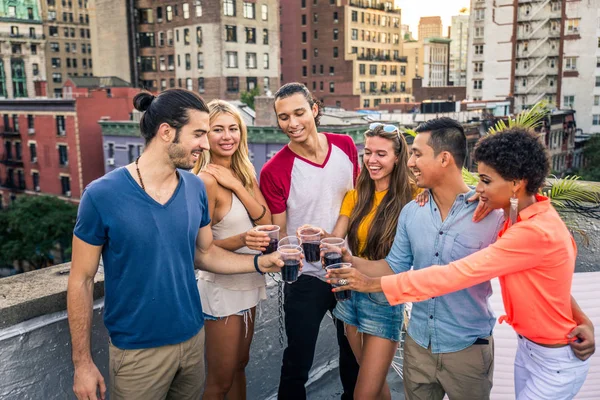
<point x="305" y="183"/>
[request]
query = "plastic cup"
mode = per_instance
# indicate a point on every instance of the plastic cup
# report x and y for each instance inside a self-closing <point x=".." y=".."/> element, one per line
<point x="332" y="250"/>
<point x="293" y="240"/>
<point x="311" y="238"/>
<point x="291" y="255"/>
<point x="273" y="232"/>
<point x="344" y="294"/>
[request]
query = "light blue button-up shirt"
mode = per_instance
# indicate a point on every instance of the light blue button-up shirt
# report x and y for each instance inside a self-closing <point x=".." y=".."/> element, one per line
<point x="452" y="322"/>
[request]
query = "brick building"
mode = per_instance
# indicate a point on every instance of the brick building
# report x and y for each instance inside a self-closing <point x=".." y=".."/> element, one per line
<point x="348" y="53"/>
<point x="218" y="48"/>
<point x="54" y="146"/>
<point x="68" y="45"/>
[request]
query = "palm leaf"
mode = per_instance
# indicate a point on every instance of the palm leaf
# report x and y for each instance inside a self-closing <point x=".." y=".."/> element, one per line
<point x="470" y="178"/>
<point x="527" y="119"/>
<point x="410" y="132"/>
<point x="570" y="191"/>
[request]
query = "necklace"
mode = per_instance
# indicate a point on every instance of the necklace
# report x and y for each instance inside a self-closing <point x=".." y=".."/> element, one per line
<point x="137" y="168"/>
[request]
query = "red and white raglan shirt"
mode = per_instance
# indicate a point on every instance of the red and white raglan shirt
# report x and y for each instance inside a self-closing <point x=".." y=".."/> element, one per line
<point x="308" y="192"/>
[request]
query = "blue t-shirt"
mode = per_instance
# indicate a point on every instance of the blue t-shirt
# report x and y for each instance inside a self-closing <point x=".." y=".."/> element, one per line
<point x="151" y="297"/>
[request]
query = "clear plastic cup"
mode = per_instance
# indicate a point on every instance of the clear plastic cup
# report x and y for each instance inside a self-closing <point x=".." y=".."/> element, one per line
<point x="273" y="232"/>
<point x="332" y="250"/>
<point x="293" y="240"/>
<point x="311" y="238"/>
<point x="344" y="294"/>
<point x="291" y="256"/>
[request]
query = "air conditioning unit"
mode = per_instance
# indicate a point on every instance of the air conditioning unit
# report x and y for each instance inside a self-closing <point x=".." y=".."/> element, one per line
<point x="68" y="193"/>
<point x="37" y="188"/>
<point x="34" y="159"/>
<point x="110" y="161"/>
<point x="31" y="131"/>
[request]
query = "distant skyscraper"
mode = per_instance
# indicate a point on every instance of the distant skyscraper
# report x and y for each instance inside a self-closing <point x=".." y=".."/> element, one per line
<point x="406" y="32"/>
<point x="430" y="27"/>
<point x="459" y="34"/>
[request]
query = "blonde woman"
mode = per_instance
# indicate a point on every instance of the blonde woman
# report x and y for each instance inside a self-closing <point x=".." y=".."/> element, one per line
<point x="235" y="205"/>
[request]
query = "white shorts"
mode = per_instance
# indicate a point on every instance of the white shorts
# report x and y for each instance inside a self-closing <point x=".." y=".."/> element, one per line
<point x="543" y="373"/>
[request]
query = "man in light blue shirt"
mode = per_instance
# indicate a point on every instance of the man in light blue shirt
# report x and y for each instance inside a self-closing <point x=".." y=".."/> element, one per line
<point x="449" y="348"/>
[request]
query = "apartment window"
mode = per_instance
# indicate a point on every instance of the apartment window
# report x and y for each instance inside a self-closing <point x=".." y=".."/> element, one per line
<point x="321" y="85"/>
<point x="265" y="36"/>
<point x="354" y="34"/>
<point x="479" y="32"/>
<point x="316" y="34"/>
<point x="148" y="64"/>
<point x="316" y="52"/>
<point x="230" y="33"/>
<point x="354" y="16"/>
<point x="32" y="152"/>
<point x="201" y="85"/>
<point x="266" y="83"/>
<point x="161" y="39"/>
<point x="171" y="62"/>
<point x="402" y="70"/>
<point x="384" y="70"/>
<point x="251" y="83"/>
<point x="336" y="34"/>
<point x="321" y="69"/>
<point x="172" y="82"/>
<point x="251" y="60"/>
<point x="266" y="60"/>
<point x="249" y="10"/>
<point x="199" y="36"/>
<point x="335" y="52"/>
<point x="304" y="71"/>
<point x="573" y="25"/>
<point x="304" y="55"/>
<point x="188" y="84"/>
<point x="188" y="61"/>
<point x="233" y="84"/>
<point x="54" y="47"/>
<point x="479" y="15"/>
<point x="186" y="12"/>
<point x="331" y="87"/>
<point x="596" y="119"/>
<point x="331" y="71"/>
<point x="177" y="35"/>
<point x="250" y="35"/>
<point x="303" y="17"/>
<point x="477" y="84"/>
<point x="67" y="47"/>
<point x="68" y="63"/>
<point x="56" y="77"/>
<point x="146" y="16"/>
<point x="571" y="63"/>
<point x="479" y="49"/>
<point x="373" y="69"/>
<point x="335" y="17"/>
<point x="52" y="31"/>
<point x="229" y="8"/>
<point x="361" y="69"/>
<point x="146" y="39"/>
<point x="35" y="177"/>
<point x="315" y="18"/>
<point x="200" y="60"/>
<point x="597" y="100"/>
<point x="30" y="123"/>
<point x="478" y="67"/>
<point x="393" y="70"/>
<point x="18" y="151"/>
<point x="366" y="103"/>
<point x="179" y="61"/>
<point x="56" y="63"/>
<point x="63" y="157"/>
<point x="65" y="183"/>
<point x="169" y="13"/>
<point x="568" y="101"/>
<point x="163" y="84"/>
<point x="231" y="59"/>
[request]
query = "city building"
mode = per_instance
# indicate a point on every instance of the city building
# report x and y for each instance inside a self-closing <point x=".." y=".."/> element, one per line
<point x="537" y="50"/>
<point x="430" y="27"/>
<point x="68" y="45"/>
<point x="436" y="62"/>
<point x="217" y="48"/>
<point x="459" y="36"/>
<point x="54" y="146"/>
<point x="406" y="32"/>
<point x="349" y="54"/>
<point x="22" y="59"/>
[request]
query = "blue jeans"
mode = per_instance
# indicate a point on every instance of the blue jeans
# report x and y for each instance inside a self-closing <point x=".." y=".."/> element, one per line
<point x="372" y="314"/>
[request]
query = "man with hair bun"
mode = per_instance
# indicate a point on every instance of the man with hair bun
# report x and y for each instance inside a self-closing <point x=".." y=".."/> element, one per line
<point x="150" y="222"/>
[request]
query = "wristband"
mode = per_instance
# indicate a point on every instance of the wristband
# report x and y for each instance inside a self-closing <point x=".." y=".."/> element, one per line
<point x="256" y="264"/>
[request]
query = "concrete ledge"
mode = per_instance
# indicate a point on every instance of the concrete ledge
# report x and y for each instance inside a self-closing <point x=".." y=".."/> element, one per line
<point x="36" y="293"/>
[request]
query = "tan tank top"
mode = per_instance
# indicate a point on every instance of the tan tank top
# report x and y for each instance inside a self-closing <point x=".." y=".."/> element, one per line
<point x="236" y="221"/>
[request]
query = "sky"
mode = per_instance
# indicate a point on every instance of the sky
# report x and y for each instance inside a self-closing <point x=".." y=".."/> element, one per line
<point x="412" y="10"/>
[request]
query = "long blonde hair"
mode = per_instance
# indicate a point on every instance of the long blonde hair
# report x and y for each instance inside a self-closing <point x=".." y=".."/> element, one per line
<point x="240" y="161"/>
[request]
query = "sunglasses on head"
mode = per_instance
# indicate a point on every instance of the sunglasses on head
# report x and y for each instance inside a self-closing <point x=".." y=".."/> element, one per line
<point x="386" y="127"/>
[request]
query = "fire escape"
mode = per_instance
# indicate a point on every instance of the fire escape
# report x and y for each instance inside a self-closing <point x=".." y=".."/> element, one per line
<point x="537" y="52"/>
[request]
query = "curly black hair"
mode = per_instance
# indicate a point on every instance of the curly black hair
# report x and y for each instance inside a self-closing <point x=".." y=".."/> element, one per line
<point x="515" y="153"/>
<point x="290" y="89"/>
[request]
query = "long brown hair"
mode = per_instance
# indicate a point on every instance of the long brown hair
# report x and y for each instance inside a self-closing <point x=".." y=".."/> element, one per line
<point x="400" y="192"/>
<point x="240" y="160"/>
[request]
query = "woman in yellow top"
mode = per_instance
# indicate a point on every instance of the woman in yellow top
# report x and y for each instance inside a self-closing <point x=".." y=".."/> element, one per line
<point x="368" y="217"/>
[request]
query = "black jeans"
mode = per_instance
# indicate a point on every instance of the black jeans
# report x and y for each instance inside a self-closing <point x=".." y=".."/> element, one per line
<point x="306" y="302"/>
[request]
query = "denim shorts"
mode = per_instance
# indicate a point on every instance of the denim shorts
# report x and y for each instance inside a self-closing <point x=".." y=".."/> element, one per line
<point x="372" y="314"/>
<point x="209" y="317"/>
